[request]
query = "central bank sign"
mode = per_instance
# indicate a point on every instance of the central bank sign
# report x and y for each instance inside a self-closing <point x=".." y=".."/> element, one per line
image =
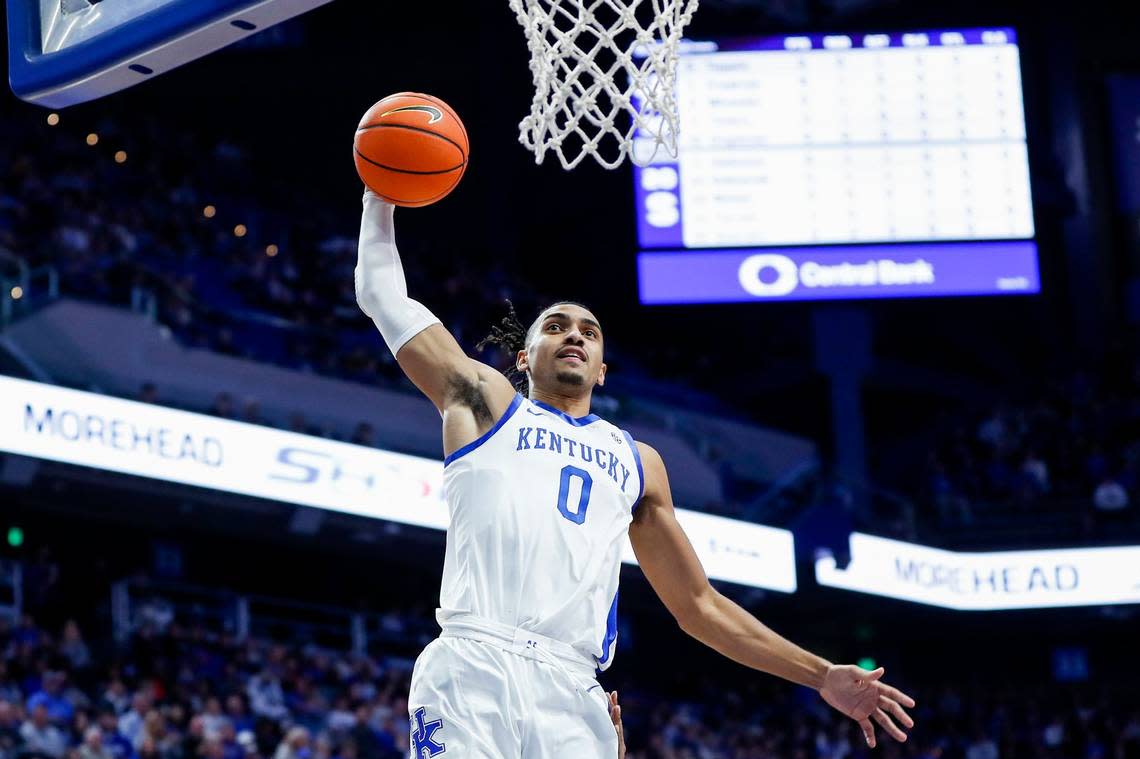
<point x="986" y="581"/>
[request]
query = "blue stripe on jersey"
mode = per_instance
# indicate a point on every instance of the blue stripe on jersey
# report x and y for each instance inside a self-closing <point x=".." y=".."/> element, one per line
<point x="611" y="632"/>
<point x="640" y="471"/>
<point x="511" y="409"/>
<point x="579" y="421"/>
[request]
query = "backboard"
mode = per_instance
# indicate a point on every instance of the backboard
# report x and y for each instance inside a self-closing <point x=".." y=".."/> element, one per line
<point x="63" y="52"/>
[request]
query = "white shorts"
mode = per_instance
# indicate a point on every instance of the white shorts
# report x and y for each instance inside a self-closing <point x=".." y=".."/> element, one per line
<point x="483" y="691"/>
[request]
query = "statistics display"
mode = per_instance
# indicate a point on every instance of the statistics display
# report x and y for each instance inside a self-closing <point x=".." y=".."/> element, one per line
<point x="888" y="142"/>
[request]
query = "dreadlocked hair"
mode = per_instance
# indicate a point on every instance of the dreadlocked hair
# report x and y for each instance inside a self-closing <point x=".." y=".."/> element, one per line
<point x="509" y="335"/>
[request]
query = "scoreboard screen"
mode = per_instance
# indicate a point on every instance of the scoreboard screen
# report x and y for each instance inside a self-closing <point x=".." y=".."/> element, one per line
<point x="842" y="166"/>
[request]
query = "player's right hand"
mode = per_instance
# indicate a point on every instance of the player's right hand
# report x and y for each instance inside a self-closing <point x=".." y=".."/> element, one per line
<point x="615" y="715"/>
<point x="861" y="695"/>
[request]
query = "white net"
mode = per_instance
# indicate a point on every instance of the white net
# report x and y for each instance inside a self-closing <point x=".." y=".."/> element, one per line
<point x="604" y="77"/>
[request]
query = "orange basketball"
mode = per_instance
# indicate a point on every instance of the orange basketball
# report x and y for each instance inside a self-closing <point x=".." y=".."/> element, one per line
<point x="411" y="149"/>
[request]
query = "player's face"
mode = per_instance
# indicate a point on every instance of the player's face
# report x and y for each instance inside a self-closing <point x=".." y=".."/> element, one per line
<point x="565" y="350"/>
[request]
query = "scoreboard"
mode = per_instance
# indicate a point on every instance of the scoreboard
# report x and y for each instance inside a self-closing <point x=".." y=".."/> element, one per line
<point x="842" y="166"/>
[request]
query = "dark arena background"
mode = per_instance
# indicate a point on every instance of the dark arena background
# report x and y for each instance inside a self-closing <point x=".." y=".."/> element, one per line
<point x="219" y="496"/>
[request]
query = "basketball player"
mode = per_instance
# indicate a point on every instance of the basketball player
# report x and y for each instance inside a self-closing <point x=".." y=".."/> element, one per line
<point x="542" y="496"/>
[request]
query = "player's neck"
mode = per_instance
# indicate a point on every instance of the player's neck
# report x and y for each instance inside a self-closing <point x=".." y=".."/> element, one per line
<point x="575" y="406"/>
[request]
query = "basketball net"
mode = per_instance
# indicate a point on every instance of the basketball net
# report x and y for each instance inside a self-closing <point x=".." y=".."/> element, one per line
<point x="604" y="80"/>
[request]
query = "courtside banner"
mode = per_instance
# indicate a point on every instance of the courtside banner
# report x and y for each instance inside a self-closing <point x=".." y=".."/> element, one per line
<point x="987" y="581"/>
<point x="87" y="429"/>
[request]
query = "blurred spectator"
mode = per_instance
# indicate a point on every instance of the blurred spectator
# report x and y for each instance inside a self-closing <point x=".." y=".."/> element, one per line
<point x="265" y="696"/>
<point x="157" y="739"/>
<point x="294" y="746"/>
<point x="92" y="746"/>
<point x="1110" y="496"/>
<point x="982" y="747"/>
<point x="340" y="718"/>
<point x="50" y="697"/>
<point x="223" y="406"/>
<point x="112" y="740"/>
<point x="117" y="696"/>
<point x="364" y="434"/>
<point x="1035" y="468"/>
<point x="73" y="647"/>
<point x="131" y="722"/>
<point x="251" y="412"/>
<point x="40" y="737"/>
<point x="213" y="720"/>
<point x="238" y="714"/>
<point x="9" y="728"/>
<point x="364" y="737"/>
<point x="227" y="739"/>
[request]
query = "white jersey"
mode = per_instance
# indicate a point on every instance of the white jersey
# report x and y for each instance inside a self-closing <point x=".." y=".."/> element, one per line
<point x="540" y="509"/>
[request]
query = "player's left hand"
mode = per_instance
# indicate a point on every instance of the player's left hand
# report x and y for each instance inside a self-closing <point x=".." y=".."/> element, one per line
<point x="615" y="715"/>
<point x="861" y="695"/>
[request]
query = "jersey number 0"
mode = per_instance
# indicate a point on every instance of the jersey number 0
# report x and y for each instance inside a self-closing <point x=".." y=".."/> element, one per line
<point x="578" y="515"/>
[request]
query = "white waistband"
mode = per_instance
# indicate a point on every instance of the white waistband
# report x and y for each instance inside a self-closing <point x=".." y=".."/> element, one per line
<point x="516" y="640"/>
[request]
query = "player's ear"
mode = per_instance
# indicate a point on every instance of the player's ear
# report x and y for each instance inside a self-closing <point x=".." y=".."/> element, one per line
<point x="521" y="361"/>
<point x="602" y="376"/>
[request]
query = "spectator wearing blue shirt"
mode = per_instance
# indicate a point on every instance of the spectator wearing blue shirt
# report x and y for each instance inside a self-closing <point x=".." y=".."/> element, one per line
<point x="114" y="741"/>
<point x="59" y="709"/>
<point x="238" y="714"/>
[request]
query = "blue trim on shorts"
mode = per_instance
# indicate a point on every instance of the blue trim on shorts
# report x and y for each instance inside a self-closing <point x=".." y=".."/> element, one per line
<point x="640" y="470"/>
<point x="511" y="409"/>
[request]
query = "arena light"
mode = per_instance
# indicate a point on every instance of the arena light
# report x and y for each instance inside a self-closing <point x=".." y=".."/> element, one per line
<point x="17" y="292"/>
<point x="142" y="439"/>
<point x="53" y="119"/>
<point x="986" y="581"/>
<point x="120" y="156"/>
<point x="15" y="537"/>
<point x="240" y="230"/>
<point x="93" y="139"/>
<point x="271" y="250"/>
<point x="209" y="212"/>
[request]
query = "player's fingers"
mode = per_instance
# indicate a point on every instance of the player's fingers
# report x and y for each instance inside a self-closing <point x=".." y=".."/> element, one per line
<point x="897" y="695"/>
<point x="874" y="674"/>
<point x="868" y="731"/>
<point x="896" y="711"/>
<point x="888" y="725"/>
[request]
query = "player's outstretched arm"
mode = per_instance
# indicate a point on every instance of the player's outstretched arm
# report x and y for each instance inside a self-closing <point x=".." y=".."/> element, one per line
<point x="673" y="569"/>
<point x="425" y="350"/>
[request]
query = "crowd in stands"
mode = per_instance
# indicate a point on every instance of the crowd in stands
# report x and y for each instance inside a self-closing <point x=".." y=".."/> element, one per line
<point x="1075" y="445"/>
<point x="174" y="692"/>
<point x="282" y="291"/>
<point x="148" y="225"/>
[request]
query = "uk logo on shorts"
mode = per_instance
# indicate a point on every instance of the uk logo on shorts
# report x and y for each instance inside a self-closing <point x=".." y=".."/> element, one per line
<point x="424" y="743"/>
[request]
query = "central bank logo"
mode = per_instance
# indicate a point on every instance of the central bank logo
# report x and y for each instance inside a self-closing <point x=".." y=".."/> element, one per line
<point x="768" y="275"/>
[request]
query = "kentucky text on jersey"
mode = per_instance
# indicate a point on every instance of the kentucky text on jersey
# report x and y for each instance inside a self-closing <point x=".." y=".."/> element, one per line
<point x="542" y="439"/>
